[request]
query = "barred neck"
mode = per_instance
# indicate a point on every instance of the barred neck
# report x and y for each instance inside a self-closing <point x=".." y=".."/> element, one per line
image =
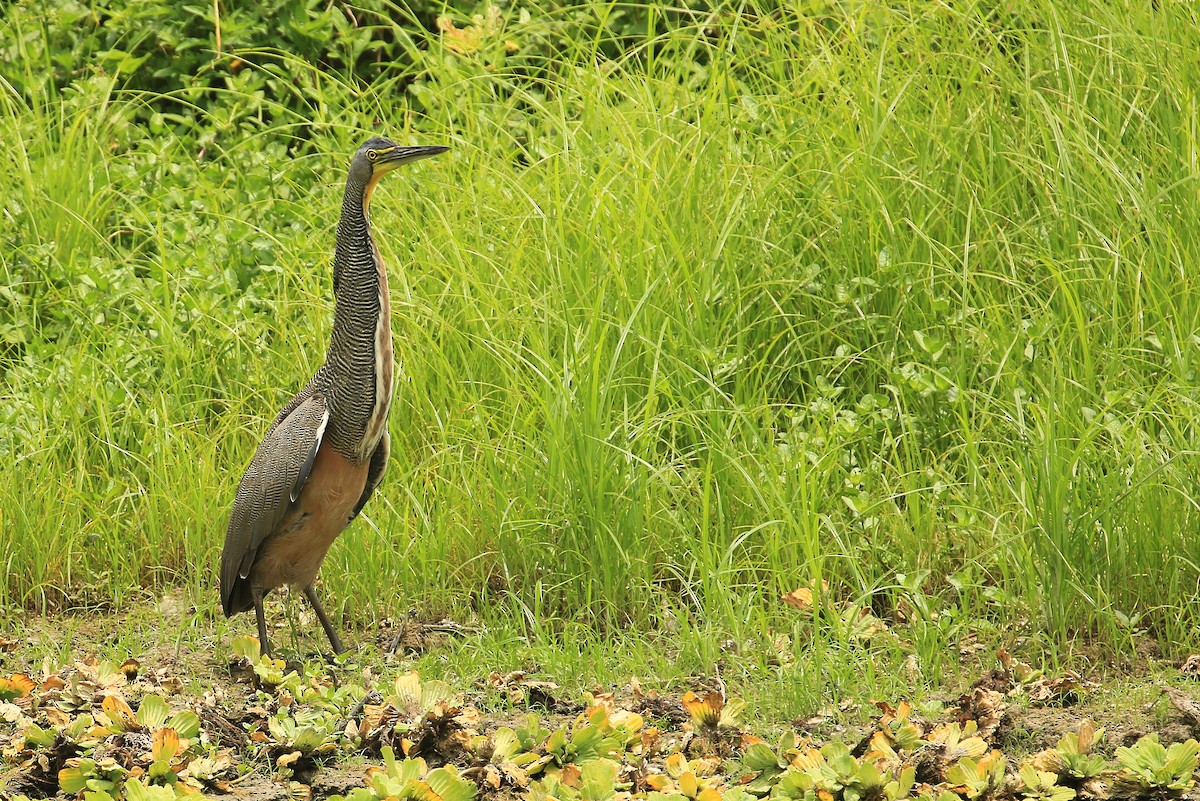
<point x="359" y="361"/>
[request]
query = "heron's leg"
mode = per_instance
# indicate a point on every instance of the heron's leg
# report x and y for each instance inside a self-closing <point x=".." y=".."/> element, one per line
<point x="326" y="624"/>
<point x="264" y="644"/>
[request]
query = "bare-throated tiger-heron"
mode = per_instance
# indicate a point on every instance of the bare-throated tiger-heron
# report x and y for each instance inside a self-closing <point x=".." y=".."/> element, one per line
<point x="327" y="449"/>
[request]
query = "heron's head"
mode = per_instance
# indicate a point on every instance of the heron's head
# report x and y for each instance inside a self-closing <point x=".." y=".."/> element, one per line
<point x="378" y="156"/>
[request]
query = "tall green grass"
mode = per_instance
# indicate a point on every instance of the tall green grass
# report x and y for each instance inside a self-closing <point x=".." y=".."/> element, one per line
<point x="895" y="297"/>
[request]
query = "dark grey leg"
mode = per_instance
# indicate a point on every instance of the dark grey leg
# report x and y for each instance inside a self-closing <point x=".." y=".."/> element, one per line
<point x="326" y="623"/>
<point x="264" y="644"/>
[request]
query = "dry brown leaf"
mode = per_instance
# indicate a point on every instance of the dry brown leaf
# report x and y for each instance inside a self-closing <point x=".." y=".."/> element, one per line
<point x="983" y="706"/>
<point x="52" y="683"/>
<point x="1015" y="668"/>
<point x="800" y="598"/>
<point x="56" y="716"/>
<point x="1062" y="691"/>
<point x="571" y="775"/>
<point x="173" y="684"/>
<point x="516" y="775"/>
<point x="804" y="597"/>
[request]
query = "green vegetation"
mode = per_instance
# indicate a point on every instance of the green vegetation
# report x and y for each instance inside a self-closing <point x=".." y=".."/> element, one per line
<point x="891" y="303"/>
<point x="307" y="718"/>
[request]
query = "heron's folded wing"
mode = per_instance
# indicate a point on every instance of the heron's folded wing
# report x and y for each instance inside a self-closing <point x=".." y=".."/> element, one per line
<point x="272" y="483"/>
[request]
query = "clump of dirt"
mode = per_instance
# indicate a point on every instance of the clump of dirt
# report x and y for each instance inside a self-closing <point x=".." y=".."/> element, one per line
<point x="1026" y="730"/>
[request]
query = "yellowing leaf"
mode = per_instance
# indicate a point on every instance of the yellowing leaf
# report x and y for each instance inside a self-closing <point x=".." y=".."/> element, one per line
<point x="72" y="780"/>
<point x="166" y="744"/>
<point x="408" y="690"/>
<point x="1087" y="736"/>
<point x="247" y="648"/>
<point x="15" y="686"/>
<point x="730" y="713"/>
<point x="689" y="784"/>
<point x="629" y="721"/>
<point x="657" y="781"/>
<point x="119" y="712"/>
<point x="704" y="711"/>
<point x="810" y="758"/>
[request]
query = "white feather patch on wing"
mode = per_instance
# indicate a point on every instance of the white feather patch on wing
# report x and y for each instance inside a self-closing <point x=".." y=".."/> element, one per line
<point x="302" y="477"/>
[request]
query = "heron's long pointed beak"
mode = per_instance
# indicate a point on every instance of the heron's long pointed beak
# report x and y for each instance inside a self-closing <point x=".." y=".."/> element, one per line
<point x="403" y="155"/>
<point x="391" y="159"/>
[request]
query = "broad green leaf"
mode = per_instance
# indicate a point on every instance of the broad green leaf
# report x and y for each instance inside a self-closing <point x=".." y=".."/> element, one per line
<point x="72" y="780"/>
<point x="187" y="723"/>
<point x="1181" y="758"/>
<point x="449" y="786"/>
<point x="136" y="791"/>
<point x="760" y="757"/>
<point x="504" y="744"/>
<point x="247" y="648"/>
<point x="153" y="711"/>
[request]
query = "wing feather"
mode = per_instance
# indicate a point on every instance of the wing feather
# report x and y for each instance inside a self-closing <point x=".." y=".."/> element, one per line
<point x="271" y="484"/>
<point x="306" y="468"/>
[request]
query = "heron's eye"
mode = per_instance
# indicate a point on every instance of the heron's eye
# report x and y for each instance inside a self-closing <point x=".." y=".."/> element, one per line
<point x="372" y="155"/>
